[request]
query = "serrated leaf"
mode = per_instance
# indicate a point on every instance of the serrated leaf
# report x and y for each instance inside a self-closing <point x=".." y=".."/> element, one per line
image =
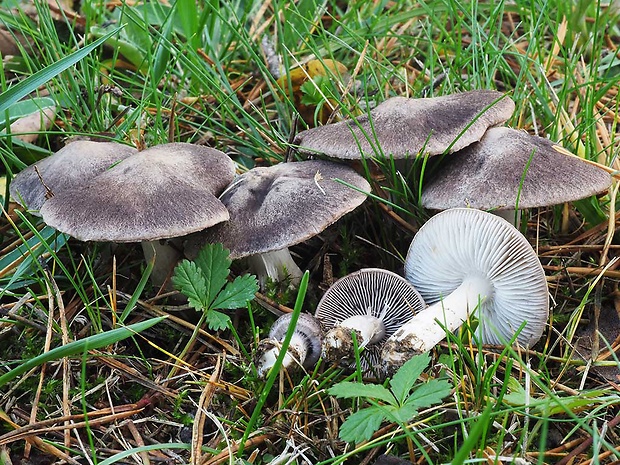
<point x="401" y="414"/>
<point x="190" y="281"/>
<point x="217" y="321"/>
<point x="407" y="375"/>
<point x="429" y="393"/>
<point x="361" y="425"/>
<point x="348" y="390"/>
<point x="237" y="294"/>
<point x="214" y="263"/>
<point x="516" y="393"/>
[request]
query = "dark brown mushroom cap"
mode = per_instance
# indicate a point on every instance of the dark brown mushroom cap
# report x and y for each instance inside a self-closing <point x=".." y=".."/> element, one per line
<point x="165" y="191"/>
<point x="489" y="175"/>
<point x="74" y="164"/>
<point x="275" y="207"/>
<point x="403" y="126"/>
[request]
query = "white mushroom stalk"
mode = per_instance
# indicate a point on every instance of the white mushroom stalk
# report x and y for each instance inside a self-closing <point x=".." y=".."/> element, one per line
<point x="277" y="265"/>
<point x="371" y="303"/>
<point x="303" y="350"/>
<point x="468" y="263"/>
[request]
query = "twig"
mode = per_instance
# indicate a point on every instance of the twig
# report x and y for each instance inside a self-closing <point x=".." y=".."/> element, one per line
<point x="199" y="419"/>
<point x="224" y="455"/>
<point x="587" y="442"/>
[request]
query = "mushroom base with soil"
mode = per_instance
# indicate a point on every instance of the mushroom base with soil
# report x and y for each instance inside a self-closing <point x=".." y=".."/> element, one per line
<point x="428" y="327"/>
<point x="338" y="342"/>
<point x="303" y="350"/>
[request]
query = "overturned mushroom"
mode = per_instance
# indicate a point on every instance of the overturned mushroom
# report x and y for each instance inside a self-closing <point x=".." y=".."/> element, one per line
<point x="275" y="207"/>
<point x="372" y="303"/>
<point x="466" y="262"/>
<point x="403" y="127"/>
<point x="304" y="349"/>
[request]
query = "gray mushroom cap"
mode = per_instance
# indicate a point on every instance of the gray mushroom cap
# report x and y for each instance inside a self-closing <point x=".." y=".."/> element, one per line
<point x="272" y="208"/>
<point x="461" y="243"/>
<point x="490" y="175"/>
<point x="75" y="163"/>
<point x="403" y="127"/>
<point x="165" y="191"/>
<point x="369" y="292"/>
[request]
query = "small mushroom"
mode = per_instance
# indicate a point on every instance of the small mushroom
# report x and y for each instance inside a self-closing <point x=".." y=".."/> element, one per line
<point x="403" y="127"/>
<point x="510" y="169"/>
<point x="468" y="262"/>
<point x="163" y="192"/>
<point x="273" y="208"/>
<point x="372" y="303"/>
<point x="303" y="350"/>
<point x="75" y="163"/>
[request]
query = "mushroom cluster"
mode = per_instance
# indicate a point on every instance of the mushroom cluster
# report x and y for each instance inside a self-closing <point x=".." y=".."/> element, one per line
<point x="109" y="192"/>
<point x="465" y="262"/>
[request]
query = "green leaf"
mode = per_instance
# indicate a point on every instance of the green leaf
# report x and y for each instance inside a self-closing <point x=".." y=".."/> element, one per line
<point x="217" y="321"/>
<point x="401" y="414"/>
<point x="348" y="390"/>
<point x="429" y="393"/>
<point x="407" y="375"/>
<point x="33" y="82"/>
<point x="214" y="263"/>
<point x="361" y="425"/>
<point x="516" y="394"/>
<point x="79" y="347"/>
<point x="189" y="280"/>
<point x="237" y="294"/>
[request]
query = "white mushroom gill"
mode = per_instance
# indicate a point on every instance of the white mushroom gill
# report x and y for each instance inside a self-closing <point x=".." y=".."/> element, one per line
<point x="466" y="261"/>
<point x="371" y="303"/>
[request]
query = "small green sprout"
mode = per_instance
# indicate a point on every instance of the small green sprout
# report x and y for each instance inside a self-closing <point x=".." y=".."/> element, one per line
<point x="398" y="403"/>
<point x="204" y="282"/>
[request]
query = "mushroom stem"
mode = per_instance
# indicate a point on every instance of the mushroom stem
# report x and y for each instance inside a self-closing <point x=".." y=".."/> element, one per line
<point x="424" y="331"/>
<point x="165" y="258"/>
<point x="295" y="354"/>
<point x="277" y="265"/>
<point x="338" y="342"/>
<point x="510" y="215"/>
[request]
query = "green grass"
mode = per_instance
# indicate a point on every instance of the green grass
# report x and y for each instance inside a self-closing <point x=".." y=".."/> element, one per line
<point x="196" y="72"/>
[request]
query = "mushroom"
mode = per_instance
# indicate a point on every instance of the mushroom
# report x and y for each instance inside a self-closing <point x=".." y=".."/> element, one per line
<point x="70" y="166"/>
<point x="468" y="262"/>
<point x="403" y="127"/>
<point x="303" y="350"/>
<point x="273" y="208"/>
<point x="372" y="303"/>
<point x="508" y="170"/>
<point x="163" y="192"/>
